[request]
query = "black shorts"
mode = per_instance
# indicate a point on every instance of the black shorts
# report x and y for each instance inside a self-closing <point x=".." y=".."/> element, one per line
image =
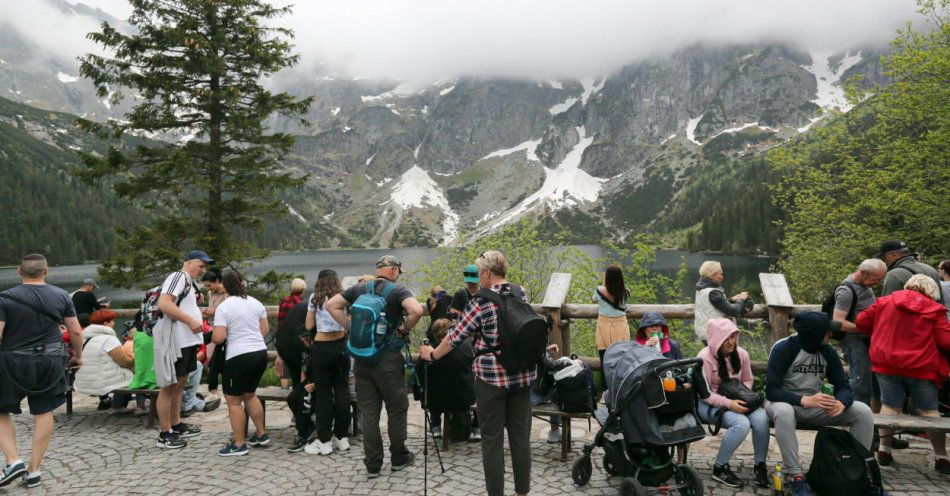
<point x="39" y="377"/>
<point x="188" y="362"/>
<point x="242" y="373"/>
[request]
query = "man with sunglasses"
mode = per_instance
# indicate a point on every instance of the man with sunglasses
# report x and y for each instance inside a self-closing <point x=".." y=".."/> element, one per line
<point x="383" y="382"/>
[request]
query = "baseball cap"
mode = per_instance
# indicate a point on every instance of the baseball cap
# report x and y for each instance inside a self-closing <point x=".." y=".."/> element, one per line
<point x="891" y="245"/>
<point x="388" y="261"/>
<point x="199" y="255"/>
<point x="90" y="282"/>
<point x="470" y="273"/>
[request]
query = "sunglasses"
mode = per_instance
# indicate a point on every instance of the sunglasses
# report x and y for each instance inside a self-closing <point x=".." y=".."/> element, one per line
<point x="470" y="274"/>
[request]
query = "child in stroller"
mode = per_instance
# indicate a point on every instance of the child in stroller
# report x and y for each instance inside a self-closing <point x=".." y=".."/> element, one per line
<point x="651" y="407"/>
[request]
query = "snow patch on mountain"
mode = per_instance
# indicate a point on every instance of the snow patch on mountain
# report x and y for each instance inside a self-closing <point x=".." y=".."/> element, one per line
<point x="667" y="139"/>
<point x="446" y="91"/>
<point x="530" y="147"/>
<point x="830" y="93"/>
<point x="742" y="127"/>
<point x="563" y="106"/>
<point x="590" y="88"/>
<point x="66" y="78"/>
<point x="335" y="111"/>
<point x="401" y="91"/>
<point x="691" y="129"/>
<point x="555" y="84"/>
<point x="296" y="214"/>
<point x="370" y="159"/>
<point x="416" y="189"/>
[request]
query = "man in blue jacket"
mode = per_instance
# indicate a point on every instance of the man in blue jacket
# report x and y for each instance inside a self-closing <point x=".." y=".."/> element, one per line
<point x="798" y="367"/>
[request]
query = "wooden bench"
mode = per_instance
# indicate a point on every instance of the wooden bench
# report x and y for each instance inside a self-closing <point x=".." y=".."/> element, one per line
<point x="276" y="393"/>
<point x="151" y="394"/>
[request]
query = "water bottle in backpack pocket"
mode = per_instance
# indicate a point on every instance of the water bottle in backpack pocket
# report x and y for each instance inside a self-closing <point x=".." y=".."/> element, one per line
<point x="370" y="331"/>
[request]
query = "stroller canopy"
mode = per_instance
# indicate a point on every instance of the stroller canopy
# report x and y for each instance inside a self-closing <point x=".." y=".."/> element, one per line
<point x="625" y="363"/>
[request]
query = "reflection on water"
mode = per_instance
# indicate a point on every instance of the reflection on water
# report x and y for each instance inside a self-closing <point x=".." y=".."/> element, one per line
<point x="357" y="262"/>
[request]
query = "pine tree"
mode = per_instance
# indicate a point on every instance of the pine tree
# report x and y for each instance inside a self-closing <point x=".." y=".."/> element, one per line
<point x="196" y="66"/>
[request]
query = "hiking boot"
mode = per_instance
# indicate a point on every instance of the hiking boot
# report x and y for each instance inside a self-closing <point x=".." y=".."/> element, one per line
<point x="104" y="404"/>
<point x="399" y="466"/>
<point x="11" y="472"/>
<point x="899" y="443"/>
<point x="942" y="466"/>
<point x="255" y="440"/>
<point x="884" y="458"/>
<point x="318" y="448"/>
<point x="798" y="487"/>
<point x="476" y="435"/>
<point x="31" y="480"/>
<point x="298" y="444"/>
<point x="232" y="449"/>
<point x="170" y="440"/>
<point x="186" y="430"/>
<point x="724" y="474"/>
<point x="342" y="444"/>
<point x="212" y="404"/>
<point x="554" y="435"/>
<point x="761" y="473"/>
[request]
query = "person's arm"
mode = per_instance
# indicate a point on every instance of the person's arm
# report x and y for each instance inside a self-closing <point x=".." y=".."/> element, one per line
<point x="75" y="336"/>
<point x="715" y="399"/>
<point x="265" y="326"/>
<point x="413" y="313"/>
<point x="844" y="298"/>
<point x="121" y="358"/>
<point x="465" y="326"/>
<point x="311" y="320"/>
<point x="166" y="303"/>
<point x="336" y="307"/>
<point x="219" y="334"/>
<point x="837" y="377"/>
<point x="719" y="301"/>
<point x="864" y="324"/>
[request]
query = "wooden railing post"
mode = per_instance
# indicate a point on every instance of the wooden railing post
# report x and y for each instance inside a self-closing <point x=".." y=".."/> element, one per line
<point x="779" y="300"/>
<point x="554" y="298"/>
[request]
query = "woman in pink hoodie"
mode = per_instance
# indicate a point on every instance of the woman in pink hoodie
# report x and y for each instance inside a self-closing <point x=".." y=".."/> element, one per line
<point x="723" y="359"/>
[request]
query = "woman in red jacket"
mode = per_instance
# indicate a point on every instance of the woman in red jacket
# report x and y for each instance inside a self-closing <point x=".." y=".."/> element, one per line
<point x="910" y="337"/>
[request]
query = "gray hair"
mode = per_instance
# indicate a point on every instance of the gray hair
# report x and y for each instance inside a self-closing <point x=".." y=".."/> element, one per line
<point x="33" y="266"/>
<point x="710" y="268"/>
<point x="494" y="261"/>
<point x="924" y="285"/>
<point x="873" y="266"/>
<point x="298" y="285"/>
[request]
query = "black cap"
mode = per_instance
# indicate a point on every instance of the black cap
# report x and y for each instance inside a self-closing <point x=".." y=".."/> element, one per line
<point x="891" y="245"/>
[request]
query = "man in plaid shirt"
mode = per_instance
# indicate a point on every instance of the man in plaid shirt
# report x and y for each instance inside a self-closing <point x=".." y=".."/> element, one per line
<point x="502" y="399"/>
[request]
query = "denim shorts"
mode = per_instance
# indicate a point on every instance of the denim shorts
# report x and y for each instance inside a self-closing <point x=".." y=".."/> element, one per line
<point x="923" y="392"/>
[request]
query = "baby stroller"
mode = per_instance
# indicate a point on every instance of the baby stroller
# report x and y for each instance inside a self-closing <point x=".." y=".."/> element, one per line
<point x="642" y="422"/>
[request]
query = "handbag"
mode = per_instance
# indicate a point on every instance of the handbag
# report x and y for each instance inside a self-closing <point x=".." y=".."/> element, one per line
<point x="734" y="389"/>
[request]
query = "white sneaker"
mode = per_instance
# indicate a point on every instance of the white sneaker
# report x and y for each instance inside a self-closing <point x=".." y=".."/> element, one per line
<point x="318" y="448"/>
<point x="554" y="436"/>
<point x="340" y="444"/>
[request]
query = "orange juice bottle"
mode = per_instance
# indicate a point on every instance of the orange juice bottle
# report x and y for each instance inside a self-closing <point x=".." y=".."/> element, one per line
<point x="669" y="383"/>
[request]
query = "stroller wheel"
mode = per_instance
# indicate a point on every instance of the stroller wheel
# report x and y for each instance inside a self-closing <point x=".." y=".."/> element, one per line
<point x="632" y="487"/>
<point x="689" y="478"/>
<point x="609" y="466"/>
<point x="582" y="470"/>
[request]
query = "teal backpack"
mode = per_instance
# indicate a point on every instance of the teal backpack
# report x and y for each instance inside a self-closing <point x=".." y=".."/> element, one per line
<point x="370" y="331"/>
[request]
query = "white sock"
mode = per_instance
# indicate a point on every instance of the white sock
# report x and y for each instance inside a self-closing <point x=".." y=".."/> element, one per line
<point x="941" y="457"/>
<point x="33" y="474"/>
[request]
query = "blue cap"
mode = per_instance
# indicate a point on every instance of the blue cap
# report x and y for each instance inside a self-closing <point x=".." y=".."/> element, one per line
<point x="199" y="255"/>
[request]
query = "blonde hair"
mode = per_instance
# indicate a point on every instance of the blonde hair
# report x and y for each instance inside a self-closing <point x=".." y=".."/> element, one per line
<point x="709" y="268"/>
<point x="494" y="261"/>
<point x="924" y="285"/>
<point x="366" y="278"/>
<point x="439" y="329"/>
<point x="298" y="285"/>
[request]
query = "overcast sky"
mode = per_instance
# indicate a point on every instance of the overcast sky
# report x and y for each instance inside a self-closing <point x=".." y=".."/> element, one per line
<point x="424" y="40"/>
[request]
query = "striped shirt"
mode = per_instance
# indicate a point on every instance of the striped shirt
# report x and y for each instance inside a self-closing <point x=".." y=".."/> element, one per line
<point x="480" y="320"/>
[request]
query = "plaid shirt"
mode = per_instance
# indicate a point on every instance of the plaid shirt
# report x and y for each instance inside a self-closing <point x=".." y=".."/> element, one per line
<point x="285" y="305"/>
<point x="480" y="319"/>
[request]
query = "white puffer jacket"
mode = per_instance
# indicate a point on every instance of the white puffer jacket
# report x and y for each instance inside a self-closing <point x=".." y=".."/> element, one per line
<point x="99" y="373"/>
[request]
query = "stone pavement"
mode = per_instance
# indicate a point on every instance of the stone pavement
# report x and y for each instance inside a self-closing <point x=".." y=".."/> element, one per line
<point x="93" y="453"/>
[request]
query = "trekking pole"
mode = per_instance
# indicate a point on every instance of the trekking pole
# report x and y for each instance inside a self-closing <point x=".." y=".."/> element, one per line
<point x="425" y="396"/>
<point x="425" y="426"/>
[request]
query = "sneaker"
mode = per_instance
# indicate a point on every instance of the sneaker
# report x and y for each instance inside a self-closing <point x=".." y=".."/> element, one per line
<point x="232" y="449"/>
<point x="168" y="440"/>
<point x="11" y="472"/>
<point x="189" y="412"/>
<point x="942" y="466"/>
<point x="318" y="448"/>
<point x="298" y="444"/>
<point x="342" y="444"/>
<point x="898" y="443"/>
<point x="554" y="435"/>
<point x="724" y="474"/>
<point x="798" y="487"/>
<point x="262" y="440"/>
<point x="212" y="404"/>
<point x="104" y="404"/>
<point x="476" y="434"/>
<point x="761" y="473"/>
<point x="884" y="458"/>
<point x="371" y="475"/>
<point x="31" y="480"/>
<point x="436" y="431"/>
<point x="399" y="466"/>
<point x="186" y="430"/>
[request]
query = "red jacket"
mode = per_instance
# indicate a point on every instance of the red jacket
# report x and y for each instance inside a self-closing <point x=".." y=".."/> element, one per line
<point x="910" y="336"/>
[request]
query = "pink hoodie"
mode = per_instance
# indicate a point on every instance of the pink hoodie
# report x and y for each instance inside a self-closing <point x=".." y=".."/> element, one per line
<point x="717" y="331"/>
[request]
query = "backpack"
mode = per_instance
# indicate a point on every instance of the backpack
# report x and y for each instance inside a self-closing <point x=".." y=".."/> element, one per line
<point x="575" y="393"/>
<point x="522" y="333"/>
<point x="828" y="307"/>
<point x="841" y="466"/>
<point x="367" y="314"/>
<point x="149" y="314"/>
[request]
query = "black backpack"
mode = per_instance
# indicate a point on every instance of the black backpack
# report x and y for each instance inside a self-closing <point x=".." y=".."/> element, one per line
<point x="575" y="394"/>
<point x="841" y="466"/>
<point x="523" y="334"/>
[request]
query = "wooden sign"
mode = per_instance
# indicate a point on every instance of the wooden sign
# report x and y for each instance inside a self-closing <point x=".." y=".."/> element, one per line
<point x="556" y="293"/>
<point x="775" y="290"/>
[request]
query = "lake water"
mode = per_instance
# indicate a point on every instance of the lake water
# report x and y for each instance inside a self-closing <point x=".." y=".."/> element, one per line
<point x="738" y="269"/>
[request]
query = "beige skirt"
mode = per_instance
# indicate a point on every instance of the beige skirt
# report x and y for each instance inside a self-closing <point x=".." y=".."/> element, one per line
<point x="610" y="330"/>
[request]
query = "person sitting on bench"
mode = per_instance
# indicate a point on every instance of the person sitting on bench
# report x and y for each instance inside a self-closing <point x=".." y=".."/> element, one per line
<point x="451" y="385"/>
<point x="797" y="368"/>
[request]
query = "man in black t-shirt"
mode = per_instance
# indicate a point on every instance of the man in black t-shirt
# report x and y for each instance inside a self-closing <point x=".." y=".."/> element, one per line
<point x="34" y="359"/>
<point x="84" y="299"/>
<point x="384" y="381"/>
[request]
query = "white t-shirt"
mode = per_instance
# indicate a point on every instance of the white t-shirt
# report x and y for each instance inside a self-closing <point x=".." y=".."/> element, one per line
<point x="242" y="317"/>
<point x="174" y="284"/>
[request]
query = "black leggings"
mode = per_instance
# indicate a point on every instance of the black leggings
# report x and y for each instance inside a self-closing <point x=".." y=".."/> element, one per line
<point x="330" y="366"/>
<point x="216" y="366"/>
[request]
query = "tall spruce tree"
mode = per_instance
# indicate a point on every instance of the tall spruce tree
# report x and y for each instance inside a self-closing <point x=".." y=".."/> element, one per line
<point x="195" y="67"/>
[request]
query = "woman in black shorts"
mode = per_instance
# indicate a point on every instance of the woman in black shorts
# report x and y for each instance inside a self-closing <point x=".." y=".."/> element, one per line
<point x="240" y="321"/>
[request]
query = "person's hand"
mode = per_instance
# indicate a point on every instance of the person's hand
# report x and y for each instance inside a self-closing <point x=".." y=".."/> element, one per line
<point x="741" y="296"/>
<point x="837" y="410"/>
<point x="402" y="332"/>
<point x="738" y="406"/>
<point x="425" y="353"/>
<point x="652" y="341"/>
<point x="819" y="400"/>
<point x="308" y="388"/>
<point x="552" y="349"/>
<point x="196" y="326"/>
<point x="75" y="363"/>
<point x="207" y="312"/>
<point x="279" y="367"/>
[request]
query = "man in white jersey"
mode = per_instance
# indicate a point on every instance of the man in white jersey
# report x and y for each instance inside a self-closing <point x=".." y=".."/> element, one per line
<point x="178" y="336"/>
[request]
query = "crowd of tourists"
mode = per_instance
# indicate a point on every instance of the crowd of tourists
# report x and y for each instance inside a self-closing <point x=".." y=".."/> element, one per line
<point x="339" y="342"/>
